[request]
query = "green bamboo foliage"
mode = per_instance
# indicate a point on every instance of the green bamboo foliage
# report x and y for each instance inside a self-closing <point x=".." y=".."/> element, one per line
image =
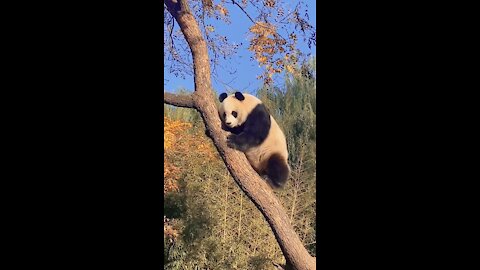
<point x="294" y="108"/>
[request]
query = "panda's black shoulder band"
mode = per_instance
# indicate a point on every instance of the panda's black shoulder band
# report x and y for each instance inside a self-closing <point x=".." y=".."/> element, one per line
<point x="256" y="128"/>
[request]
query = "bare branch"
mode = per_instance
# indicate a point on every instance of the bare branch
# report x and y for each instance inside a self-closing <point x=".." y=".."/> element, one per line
<point x="171" y="31"/>
<point x="185" y="101"/>
<point x="225" y="84"/>
<point x="235" y="3"/>
<point x="191" y="31"/>
<point x="288" y="15"/>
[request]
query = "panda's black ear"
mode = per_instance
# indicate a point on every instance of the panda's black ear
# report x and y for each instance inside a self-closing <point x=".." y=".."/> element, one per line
<point x="222" y="97"/>
<point x="239" y="96"/>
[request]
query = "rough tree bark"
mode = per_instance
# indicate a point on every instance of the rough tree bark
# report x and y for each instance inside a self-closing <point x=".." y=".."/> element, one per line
<point x="249" y="181"/>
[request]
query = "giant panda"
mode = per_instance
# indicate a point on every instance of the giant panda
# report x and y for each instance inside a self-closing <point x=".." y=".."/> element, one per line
<point x="255" y="133"/>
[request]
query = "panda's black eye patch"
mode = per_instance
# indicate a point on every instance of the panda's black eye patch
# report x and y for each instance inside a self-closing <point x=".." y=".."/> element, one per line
<point x="234" y="113"/>
<point x="224" y="115"/>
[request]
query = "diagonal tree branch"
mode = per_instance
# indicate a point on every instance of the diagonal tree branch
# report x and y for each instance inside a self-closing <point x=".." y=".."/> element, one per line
<point x="248" y="180"/>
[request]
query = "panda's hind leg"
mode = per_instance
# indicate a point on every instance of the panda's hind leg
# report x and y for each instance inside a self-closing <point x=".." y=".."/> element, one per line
<point x="277" y="170"/>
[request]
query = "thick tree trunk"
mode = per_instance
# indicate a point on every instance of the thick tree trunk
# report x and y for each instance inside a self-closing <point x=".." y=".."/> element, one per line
<point x="249" y="181"/>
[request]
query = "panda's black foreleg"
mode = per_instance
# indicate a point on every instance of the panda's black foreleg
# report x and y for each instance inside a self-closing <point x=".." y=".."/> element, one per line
<point x="237" y="142"/>
<point x="253" y="132"/>
<point x="277" y="171"/>
<point x="242" y="141"/>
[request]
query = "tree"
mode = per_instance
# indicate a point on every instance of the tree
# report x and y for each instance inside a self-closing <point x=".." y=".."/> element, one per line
<point x="248" y="180"/>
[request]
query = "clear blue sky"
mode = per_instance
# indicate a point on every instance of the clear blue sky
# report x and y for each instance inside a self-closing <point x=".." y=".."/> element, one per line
<point x="247" y="70"/>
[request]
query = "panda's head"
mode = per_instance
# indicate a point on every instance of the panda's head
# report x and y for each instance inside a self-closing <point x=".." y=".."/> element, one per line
<point x="235" y="108"/>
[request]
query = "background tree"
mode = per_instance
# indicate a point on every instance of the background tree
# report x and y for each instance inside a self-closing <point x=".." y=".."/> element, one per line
<point x="274" y="33"/>
<point x="267" y="41"/>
